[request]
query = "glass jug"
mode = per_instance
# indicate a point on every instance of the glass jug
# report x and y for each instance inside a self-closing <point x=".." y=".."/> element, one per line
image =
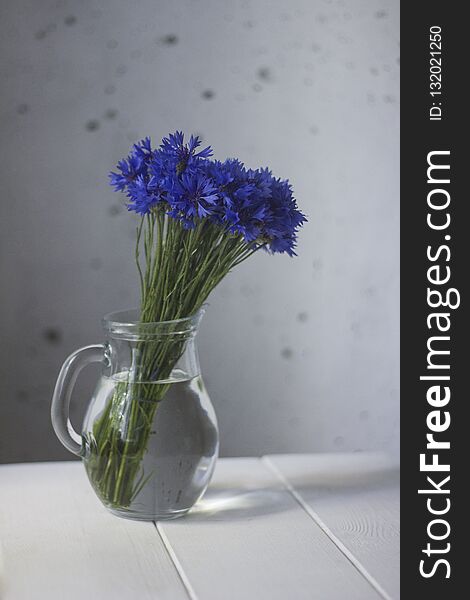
<point x="149" y="440"/>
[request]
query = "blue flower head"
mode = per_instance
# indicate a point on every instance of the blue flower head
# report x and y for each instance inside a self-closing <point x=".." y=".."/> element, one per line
<point x="183" y="156"/>
<point x="194" y="196"/>
<point x="189" y="186"/>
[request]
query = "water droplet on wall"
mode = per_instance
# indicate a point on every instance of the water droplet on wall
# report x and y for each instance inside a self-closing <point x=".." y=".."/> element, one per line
<point x="53" y="335"/>
<point x="111" y="113"/>
<point x="208" y="94"/>
<point x="287" y="353"/>
<point x="92" y="125"/>
<point x="114" y="210"/>
<point x="264" y="73"/>
<point x="170" y="39"/>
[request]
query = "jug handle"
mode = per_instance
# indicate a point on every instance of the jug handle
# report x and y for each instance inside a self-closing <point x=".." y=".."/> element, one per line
<point x="60" y="409"/>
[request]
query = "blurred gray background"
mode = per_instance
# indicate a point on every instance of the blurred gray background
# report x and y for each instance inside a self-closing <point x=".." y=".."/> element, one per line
<point x="298" y="354"/>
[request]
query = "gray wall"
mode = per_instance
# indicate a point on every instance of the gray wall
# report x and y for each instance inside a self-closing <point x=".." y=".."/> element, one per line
<point x="298" y="354"/>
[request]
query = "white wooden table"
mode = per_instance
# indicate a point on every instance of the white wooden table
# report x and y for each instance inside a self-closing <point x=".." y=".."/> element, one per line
<point x="293" y="527"/>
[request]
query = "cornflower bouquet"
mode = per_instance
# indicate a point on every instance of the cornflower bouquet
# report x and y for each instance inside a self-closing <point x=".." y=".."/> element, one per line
<point x="199" y="219"/>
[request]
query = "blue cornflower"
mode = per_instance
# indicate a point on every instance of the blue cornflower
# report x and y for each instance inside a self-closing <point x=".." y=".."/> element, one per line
<point x="183" y="156"/>
<point x="141" y="198"/>
<point x="134" y="166"/>
<point x="143" y="150"/>
<point x="129" y="170"/>
<point x="194" y="196"/>
<point x="284" y="218"/>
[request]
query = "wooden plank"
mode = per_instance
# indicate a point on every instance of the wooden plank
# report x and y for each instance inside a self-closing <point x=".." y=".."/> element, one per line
<point x="355" y="498"/>
<point x="249" y="538"/>
<point x="58" y="542"/>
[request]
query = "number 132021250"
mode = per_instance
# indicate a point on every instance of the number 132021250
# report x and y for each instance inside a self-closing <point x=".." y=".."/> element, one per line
<point x="435" y="72"/>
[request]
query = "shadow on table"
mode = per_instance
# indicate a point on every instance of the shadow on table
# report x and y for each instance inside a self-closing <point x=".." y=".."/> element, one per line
<point x="232" y="499"/>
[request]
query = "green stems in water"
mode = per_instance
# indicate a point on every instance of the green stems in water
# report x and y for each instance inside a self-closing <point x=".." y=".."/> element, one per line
<point x="178" y="269"/>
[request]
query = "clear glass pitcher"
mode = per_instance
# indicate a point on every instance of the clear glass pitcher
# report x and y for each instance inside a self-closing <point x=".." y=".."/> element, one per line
<point x="149" y="440"/>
